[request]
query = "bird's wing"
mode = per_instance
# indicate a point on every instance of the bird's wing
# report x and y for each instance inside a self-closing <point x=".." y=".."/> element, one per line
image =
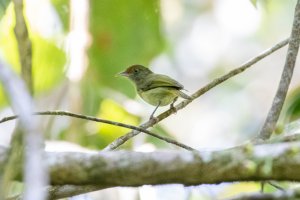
<point x="159" y="80"/>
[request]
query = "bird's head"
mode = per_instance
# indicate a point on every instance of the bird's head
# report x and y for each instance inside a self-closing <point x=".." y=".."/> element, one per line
<point x="136" y="72"/>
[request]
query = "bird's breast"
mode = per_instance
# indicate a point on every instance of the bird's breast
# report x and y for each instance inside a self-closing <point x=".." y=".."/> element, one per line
<point x="162" y="95"/>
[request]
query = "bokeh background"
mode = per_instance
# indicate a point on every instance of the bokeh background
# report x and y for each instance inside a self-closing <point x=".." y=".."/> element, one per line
<point x="79" y="46"/>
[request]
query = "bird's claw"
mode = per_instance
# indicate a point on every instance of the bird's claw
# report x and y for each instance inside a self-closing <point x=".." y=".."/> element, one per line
<point x="173" y="108"/>
<point x="155" y="119"/>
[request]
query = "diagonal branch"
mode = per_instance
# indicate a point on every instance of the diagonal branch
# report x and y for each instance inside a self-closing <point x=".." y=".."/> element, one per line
<point x="273" y="115"/>
<point x="121" y="140"/>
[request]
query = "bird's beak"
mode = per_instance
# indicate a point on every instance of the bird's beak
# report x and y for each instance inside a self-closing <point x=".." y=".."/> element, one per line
<point x="123" y="74"/>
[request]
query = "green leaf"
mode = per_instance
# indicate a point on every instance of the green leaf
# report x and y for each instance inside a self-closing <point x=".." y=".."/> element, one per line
<point x="111" y="110"/>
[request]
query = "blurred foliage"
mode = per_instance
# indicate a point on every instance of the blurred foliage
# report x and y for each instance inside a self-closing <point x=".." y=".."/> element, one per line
<point x="293" y="106"/>
<point x="47" y="70"/>
<point x="124" y="33"/>
<point x="235" y="189"/>
<point x="62" y="9"/>
<point x="48" y="60"/>
<point x="3" y="5"/>
<point x="254" y="3"/>
<point x="112" y="111"/>
<point x="289" y="122"/>
<point x="157" y="142"/>
<point x="8" y="43"/>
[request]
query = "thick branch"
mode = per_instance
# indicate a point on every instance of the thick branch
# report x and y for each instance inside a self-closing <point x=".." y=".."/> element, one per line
<point x="125" y="168"/>
<point x="286" y="77"/>
<point x="59" y="192"/>
<point x="94" y="171"/>
<point x="121" y="140"/>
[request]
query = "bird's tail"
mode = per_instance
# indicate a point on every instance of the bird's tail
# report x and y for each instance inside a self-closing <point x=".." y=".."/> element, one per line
<point x="185" y="96"/>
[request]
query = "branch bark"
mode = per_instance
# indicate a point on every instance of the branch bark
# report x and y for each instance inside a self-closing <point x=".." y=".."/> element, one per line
<point x="70" y="171"/>
<point x="286" y="77"/>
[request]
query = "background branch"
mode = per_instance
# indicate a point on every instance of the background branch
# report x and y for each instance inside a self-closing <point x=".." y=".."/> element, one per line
<point x="24" y="45"/>
<point x="121" y="140"/>
<point x="34" y="170"/>
<point x="286" y="77"/>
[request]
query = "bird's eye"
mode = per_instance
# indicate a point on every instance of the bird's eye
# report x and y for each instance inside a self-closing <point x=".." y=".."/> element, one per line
<point x="135" y="70"/>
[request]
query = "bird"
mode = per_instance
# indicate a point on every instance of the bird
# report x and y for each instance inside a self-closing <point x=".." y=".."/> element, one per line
<point x="155" y="89"/>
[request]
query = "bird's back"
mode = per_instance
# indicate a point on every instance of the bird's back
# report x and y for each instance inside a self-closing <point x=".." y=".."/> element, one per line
<point x="159" y="80"/>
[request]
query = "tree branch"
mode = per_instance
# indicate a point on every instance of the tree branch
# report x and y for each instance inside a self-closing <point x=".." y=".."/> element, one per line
<point x="94" y="171"/>
<point x="273" y="115"/>
<point x="58" y="192"/>
<point x="126" y="168"/>
<point x="105" y="121"/>
<point x="64" y="191"/>
<point x="24" y="45"/>
<point x="121" y="140"/>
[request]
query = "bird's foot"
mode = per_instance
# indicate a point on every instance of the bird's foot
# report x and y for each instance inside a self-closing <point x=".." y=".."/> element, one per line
<point x="155" y="119"/>
<point x="173" y="108"/>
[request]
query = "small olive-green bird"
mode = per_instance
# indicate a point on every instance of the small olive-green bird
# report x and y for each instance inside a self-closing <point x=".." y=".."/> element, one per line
<point x="155" y="89"/>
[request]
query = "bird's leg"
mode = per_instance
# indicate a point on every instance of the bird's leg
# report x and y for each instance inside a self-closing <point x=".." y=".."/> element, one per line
<point x="172" y="105"/>
<point x="151" y="116"/>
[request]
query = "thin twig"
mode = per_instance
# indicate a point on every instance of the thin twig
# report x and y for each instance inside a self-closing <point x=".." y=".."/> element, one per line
<point x="274" y="112"/>
<point x="121" y="140"/>
<point x="105" y="121"/>
<point x="275" y="185"/>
